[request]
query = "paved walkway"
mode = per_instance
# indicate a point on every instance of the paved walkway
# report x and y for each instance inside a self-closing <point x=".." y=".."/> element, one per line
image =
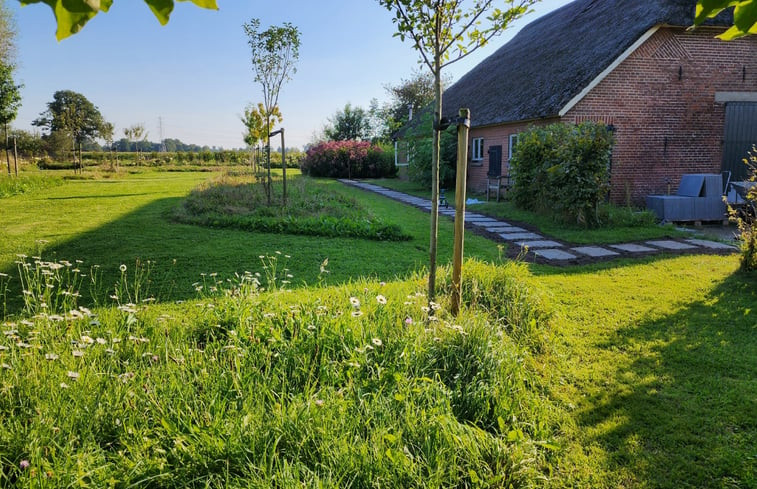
<point x="548" y="250"/>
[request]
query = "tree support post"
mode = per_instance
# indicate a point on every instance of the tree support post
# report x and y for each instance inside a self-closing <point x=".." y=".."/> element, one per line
<point x="463" y="128"/>
<point x="15" y="155"/>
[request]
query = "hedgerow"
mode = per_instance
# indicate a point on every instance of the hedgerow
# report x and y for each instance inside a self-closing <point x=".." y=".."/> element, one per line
<point x="348" y="159"/>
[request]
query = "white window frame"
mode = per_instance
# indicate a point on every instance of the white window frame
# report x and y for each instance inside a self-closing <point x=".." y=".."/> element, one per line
<point x="512" y="141"/>
<point x="477" y="145"/>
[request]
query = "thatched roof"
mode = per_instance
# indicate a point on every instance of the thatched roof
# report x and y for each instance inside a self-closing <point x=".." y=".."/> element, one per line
<point x="556" y="56"/>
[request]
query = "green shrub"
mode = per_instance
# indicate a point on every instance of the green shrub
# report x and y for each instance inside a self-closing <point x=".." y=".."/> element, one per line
<point x="420" y="144"/>
<point x="745" y="218"/>
<point x="564" y="170"/>
<point x="26" y="183"/>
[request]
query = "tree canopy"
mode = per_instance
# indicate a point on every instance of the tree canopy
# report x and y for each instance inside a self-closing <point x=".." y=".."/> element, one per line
<point x="10" y="95"/>
<point x="350" y="123"/>
<point x="7" y="35"/>
<point x="71" y="113"/>
<point x="72" y="15"/>
<point x="744" y="16"/>
<point x="254" y="120"/>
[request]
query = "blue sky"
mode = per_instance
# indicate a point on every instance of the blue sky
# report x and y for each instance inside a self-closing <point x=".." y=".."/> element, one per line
<point x="195" y="72"/>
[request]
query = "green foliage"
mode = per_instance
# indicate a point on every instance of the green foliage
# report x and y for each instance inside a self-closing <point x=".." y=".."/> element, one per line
<point x="349" y="124"/>
<point x="10" y="95"/>
<point x="349" y="159"/>
<point x="7" y="36"/>
<point x="563" y="170"/>
<point x="745" y="217"/>
<point x="744" y="16"/>
<point x="312" y="209"/>
<point x="256" y="128"/>
<point x="420" y="151"/>
<point x="71" y="15"/>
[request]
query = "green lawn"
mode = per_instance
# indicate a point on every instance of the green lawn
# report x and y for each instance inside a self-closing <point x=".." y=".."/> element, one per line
<point x="656" y="365"/>
<point x="648" y="377"/>
<point x="620" y="229"/>
<point x="109" y="222"/>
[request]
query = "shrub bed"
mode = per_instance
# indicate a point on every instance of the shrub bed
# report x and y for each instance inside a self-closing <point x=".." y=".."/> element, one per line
<point x="348" y="159"/>
<point x="563" y="170"/>
<point x="312" y="209"/>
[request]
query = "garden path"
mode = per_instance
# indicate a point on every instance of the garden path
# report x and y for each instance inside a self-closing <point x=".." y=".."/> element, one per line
<point x="544" y="249"/>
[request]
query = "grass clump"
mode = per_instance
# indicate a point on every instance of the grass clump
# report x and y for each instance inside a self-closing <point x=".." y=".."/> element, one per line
<point x="26" y="183"/>
<point x="355" y="386"/>
<point x="236" y="202"/>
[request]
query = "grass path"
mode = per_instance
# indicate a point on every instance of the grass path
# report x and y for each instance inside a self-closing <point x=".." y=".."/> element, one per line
<point x="657" y="367"/>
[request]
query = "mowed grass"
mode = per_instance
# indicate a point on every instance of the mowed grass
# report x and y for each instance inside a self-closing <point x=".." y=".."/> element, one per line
<point x="124" y="218"/>
<point x="622" y="225"/>
<point x="658" y="370"/>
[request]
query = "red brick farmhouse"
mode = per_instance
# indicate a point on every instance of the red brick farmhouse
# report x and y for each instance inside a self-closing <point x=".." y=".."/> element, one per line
<point x="679" y="101"/>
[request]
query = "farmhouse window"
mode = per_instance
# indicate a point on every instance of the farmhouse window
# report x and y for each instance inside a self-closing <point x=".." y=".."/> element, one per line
<point x="511" y="146"/>
<point x="478" y="149"/>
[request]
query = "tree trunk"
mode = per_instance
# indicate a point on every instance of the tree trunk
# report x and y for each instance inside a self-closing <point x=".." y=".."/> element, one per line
<point x="268" y="157"/>
<point x="15" y="155"/>
<point x="435" y="147"/>
<point x="81" y="160"/>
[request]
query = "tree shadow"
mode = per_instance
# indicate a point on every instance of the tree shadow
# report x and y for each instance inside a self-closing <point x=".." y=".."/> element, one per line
<point x="683" y="411"/>
<point x="181" y="255"/>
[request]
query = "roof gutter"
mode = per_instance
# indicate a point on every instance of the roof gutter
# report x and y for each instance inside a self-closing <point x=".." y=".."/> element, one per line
<point x="596" y="81"/>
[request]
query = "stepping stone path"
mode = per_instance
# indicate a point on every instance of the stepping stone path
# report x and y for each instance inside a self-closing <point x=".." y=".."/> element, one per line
<point x="548" y="250"/>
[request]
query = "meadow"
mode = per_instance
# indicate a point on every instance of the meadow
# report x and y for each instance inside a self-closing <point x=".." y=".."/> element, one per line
<point x="237" y="366"/>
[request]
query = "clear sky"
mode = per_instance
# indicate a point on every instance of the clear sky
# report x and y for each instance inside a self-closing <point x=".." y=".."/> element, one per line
<point x="195" y="72"/>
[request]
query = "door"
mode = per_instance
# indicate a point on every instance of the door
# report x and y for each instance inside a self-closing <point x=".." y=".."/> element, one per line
<point x="740" y="136"/>
<point x="495" y="161"/>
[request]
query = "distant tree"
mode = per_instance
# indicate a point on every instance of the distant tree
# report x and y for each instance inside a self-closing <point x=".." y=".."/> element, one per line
<point x="444" y="32"/>
<point x="71" y="15"/>
<point x="744" y="16"/>
<point x="71" y="113"/>
<point x="7" y="36"/>
<point x="348" y="124"/>
<point x="29" y="144"/>
<point x="136" y="134"/>
<point x="275" y="52"/>
<point x="10" y="101"/>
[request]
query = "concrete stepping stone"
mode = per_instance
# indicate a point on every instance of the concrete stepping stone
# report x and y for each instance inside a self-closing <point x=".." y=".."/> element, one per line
<point x="594" y="251"/>
<point x="480" y="219"/>
<point x="517" y="236"/>
<point x="713" y="245"/>
<point x="486" y="224"/>
<point x="499" y="229"/>
<point x="515" y="229"/>
<point x="671" y="245"/>
<point x="539" y="243"/>
<point x="553" y="254"/>
<point x="632" y="248"/>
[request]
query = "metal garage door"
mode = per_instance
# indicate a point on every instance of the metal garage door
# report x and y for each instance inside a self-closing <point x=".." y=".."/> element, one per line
<point x="740" y="136"/>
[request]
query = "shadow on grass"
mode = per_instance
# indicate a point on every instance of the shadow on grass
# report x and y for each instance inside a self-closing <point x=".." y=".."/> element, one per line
<point x="683" y="413"/>
<point x="180" y="254"/>
<point x="87" y="197"/>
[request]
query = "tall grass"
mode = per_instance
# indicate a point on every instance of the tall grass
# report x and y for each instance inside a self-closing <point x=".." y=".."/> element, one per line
<point x="354" y="386"/>
<point x="26" y="183"/>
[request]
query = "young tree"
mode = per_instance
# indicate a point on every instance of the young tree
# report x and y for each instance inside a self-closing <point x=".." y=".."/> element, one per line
<point x="348" y="124"/>
<point x="443" y="32"/>
<point x="254" y="120"/>
<point x="275" y="52"/>
<point x="73" y="114"/>
<point x="10" y="101"/>
<point x="71" y="15"/>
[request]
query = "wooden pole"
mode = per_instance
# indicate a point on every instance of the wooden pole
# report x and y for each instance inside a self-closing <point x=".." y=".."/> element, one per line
<point x="15" y="155"/>
<point x="7" y="149"/>
<point x="284" y="165"/>
<point x="462" y="164"/>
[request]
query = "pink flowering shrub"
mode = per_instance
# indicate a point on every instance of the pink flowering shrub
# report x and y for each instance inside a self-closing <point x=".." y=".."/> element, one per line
<point x="348" y="159"/>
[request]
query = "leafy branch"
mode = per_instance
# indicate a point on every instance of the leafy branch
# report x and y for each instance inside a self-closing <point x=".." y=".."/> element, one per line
<point x="72" y="15"/>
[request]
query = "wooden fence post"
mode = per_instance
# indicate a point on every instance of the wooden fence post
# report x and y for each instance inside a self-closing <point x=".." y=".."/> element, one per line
<point x="463" y="127"/>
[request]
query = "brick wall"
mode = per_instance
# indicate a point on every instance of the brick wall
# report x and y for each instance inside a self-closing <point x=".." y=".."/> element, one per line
<point x="493" y="136"/>
<point x="661" y="100"/>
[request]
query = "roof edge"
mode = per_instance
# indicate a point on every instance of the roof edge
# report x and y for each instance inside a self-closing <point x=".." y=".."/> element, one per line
<point x="596" y="81"/>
